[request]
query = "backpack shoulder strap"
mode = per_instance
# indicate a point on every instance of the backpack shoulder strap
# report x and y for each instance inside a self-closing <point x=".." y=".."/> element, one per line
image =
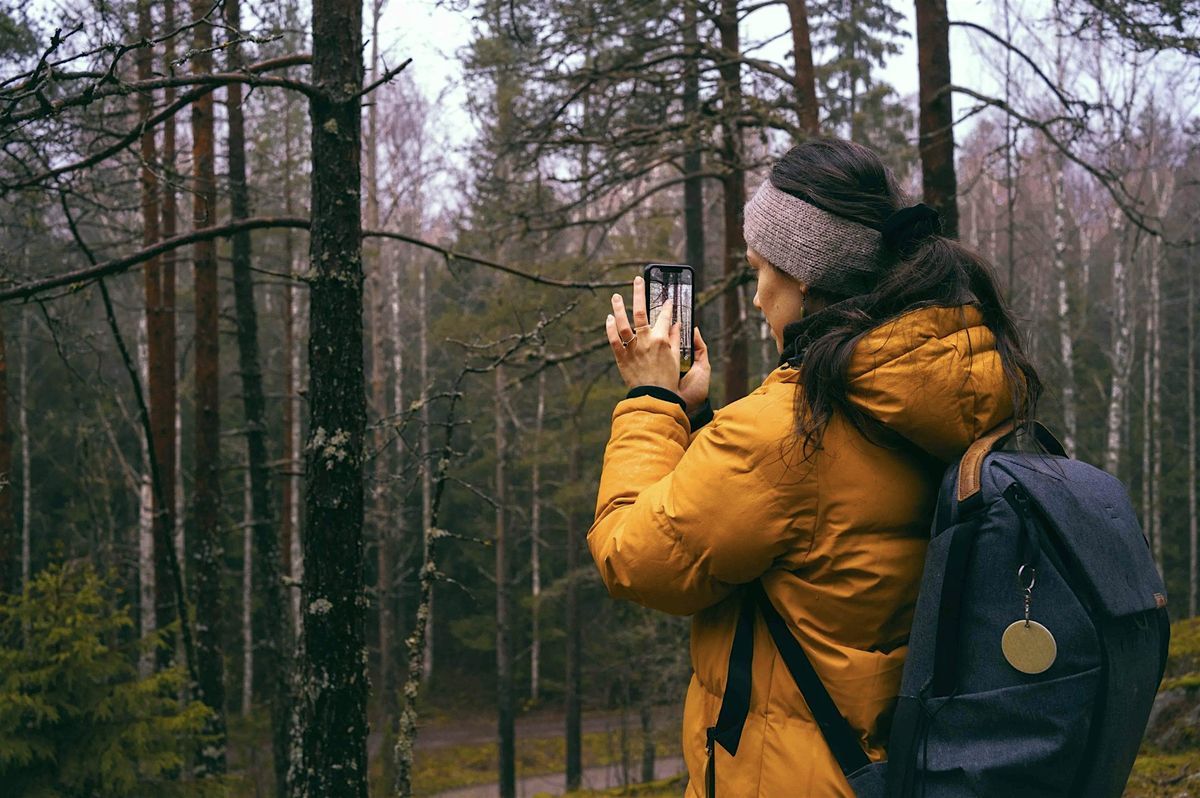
<point x="970" y="467"/>
<point x="841" y="738"/>
<point x="735" y="705"/>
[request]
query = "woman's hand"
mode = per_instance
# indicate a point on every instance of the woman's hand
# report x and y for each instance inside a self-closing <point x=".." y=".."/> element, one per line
<point x="650" y="355"/>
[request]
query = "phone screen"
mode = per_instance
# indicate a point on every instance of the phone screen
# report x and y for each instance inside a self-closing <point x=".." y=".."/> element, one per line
<point x="672" y="284"/>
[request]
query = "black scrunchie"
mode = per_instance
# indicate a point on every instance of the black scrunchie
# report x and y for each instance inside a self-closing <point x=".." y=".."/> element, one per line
<point x="908" y="226"/>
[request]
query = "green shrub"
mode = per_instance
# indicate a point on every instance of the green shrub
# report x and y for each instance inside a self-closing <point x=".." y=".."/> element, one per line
<point x="75" y="718"/>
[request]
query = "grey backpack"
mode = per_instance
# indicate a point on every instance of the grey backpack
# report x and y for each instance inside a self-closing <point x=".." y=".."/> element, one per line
<point x="1038" y="641"/>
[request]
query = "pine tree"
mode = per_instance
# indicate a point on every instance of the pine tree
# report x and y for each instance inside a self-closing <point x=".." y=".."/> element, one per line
<point x="859" y="36"/>
<point x="75" y="718"/>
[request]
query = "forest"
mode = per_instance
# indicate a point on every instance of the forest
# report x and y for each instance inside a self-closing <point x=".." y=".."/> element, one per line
<point x="303" y="411"/>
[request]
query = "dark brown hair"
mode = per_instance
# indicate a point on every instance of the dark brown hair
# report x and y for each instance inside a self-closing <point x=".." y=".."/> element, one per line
<point x="851" y="181"/>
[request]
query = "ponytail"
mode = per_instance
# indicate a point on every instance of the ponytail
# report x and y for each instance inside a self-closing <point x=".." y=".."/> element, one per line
<point x="935" y="272"/>
<point x="925" y="269"/>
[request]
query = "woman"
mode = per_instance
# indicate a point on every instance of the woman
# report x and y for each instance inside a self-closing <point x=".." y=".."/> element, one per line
<point x="896" y="352"/>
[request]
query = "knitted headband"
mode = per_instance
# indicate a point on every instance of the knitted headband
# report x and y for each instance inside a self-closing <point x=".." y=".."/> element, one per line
<point x="826" y="251"/>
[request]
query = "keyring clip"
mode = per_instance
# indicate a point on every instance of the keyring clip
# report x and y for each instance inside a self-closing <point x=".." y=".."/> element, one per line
<point x="1032" y="577"/>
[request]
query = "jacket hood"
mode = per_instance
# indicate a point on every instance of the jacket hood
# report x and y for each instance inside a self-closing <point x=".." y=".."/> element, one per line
<point x="932" y="375"/>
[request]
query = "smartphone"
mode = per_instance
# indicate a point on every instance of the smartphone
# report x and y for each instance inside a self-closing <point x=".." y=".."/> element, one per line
<point x="666" y="282"/>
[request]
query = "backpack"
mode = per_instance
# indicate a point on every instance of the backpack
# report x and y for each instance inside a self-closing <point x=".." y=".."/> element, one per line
<point x="1038" y="642"/>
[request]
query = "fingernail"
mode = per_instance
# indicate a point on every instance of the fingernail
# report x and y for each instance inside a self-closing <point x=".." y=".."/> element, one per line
<point x="610" y="317"/>
<point x="616" y="296"/>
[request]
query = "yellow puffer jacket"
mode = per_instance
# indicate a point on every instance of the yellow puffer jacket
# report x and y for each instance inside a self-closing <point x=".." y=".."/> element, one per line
<point x="683" y="519"/>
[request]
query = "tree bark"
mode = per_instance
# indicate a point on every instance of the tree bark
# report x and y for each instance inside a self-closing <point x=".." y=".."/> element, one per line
<point x="506" y="730"/>
<point x="734" y="182"/>
<point x="937" y="119"/>
<point x="805" y="80"/>
<point x="273" y="641"/>
<point x="206" y="494"/>
<point x="334" y="675"/>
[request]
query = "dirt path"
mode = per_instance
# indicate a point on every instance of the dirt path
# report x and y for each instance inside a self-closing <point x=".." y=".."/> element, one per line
<point x="538" y="724"/>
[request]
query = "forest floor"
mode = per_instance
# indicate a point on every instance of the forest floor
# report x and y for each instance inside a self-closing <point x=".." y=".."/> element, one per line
<point x="461" y="752"/>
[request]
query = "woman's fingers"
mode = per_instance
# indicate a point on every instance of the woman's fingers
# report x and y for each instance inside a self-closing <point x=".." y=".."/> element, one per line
<point x="614" y="338"/>
<point x="640" y="319"/>
<point x="619" y="317"/>
<point x="700" y="348"/>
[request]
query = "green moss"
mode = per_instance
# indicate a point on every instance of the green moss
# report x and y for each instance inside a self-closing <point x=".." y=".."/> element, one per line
<point x="1188" y="682"/>
<point x="1164" y="775"/>
<point x="1184" y="656"/>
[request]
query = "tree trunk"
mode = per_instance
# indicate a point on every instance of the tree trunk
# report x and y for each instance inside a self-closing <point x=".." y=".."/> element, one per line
<point x="646" y="712"/>
<point x="293" y="332"/>
<point x="394" y="606"/>
<point x="535" y="524"/>
<point x="1121" y="359"/>
<point x="247" y="593"/>
<point x="273" y="641"/>
<point x="147" y="623"/>
<point x="10" y="581"/>
<point x="573" y="697"/>
<point x="693" y="184"/>
<point x="734" y="182"/>
<point x="167" y="391"/>
<point x="1010" y="145"/>
<point x="804" y="81"/>
<point x="26" y="477"/>
<point x="160" y="358"/>
<point x="426" y="465"/>
<point x="334" y="675"/>
<point x="380" y="498"/>
<point x="1147" y="439"/>
<point x="1155" y="420"/>
<point x="506" y="730"/>
<point x="1066" y="339"/>
<point x="1193" y="521"/>
<point x="937" y="119"/>
<point x="206" y="494"/>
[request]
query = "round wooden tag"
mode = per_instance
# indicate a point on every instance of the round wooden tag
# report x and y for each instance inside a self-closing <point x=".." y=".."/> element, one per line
<point x="1029" y="647"/>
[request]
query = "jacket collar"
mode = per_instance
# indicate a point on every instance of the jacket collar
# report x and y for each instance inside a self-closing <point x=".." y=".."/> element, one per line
<point x="799" y="335"/>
